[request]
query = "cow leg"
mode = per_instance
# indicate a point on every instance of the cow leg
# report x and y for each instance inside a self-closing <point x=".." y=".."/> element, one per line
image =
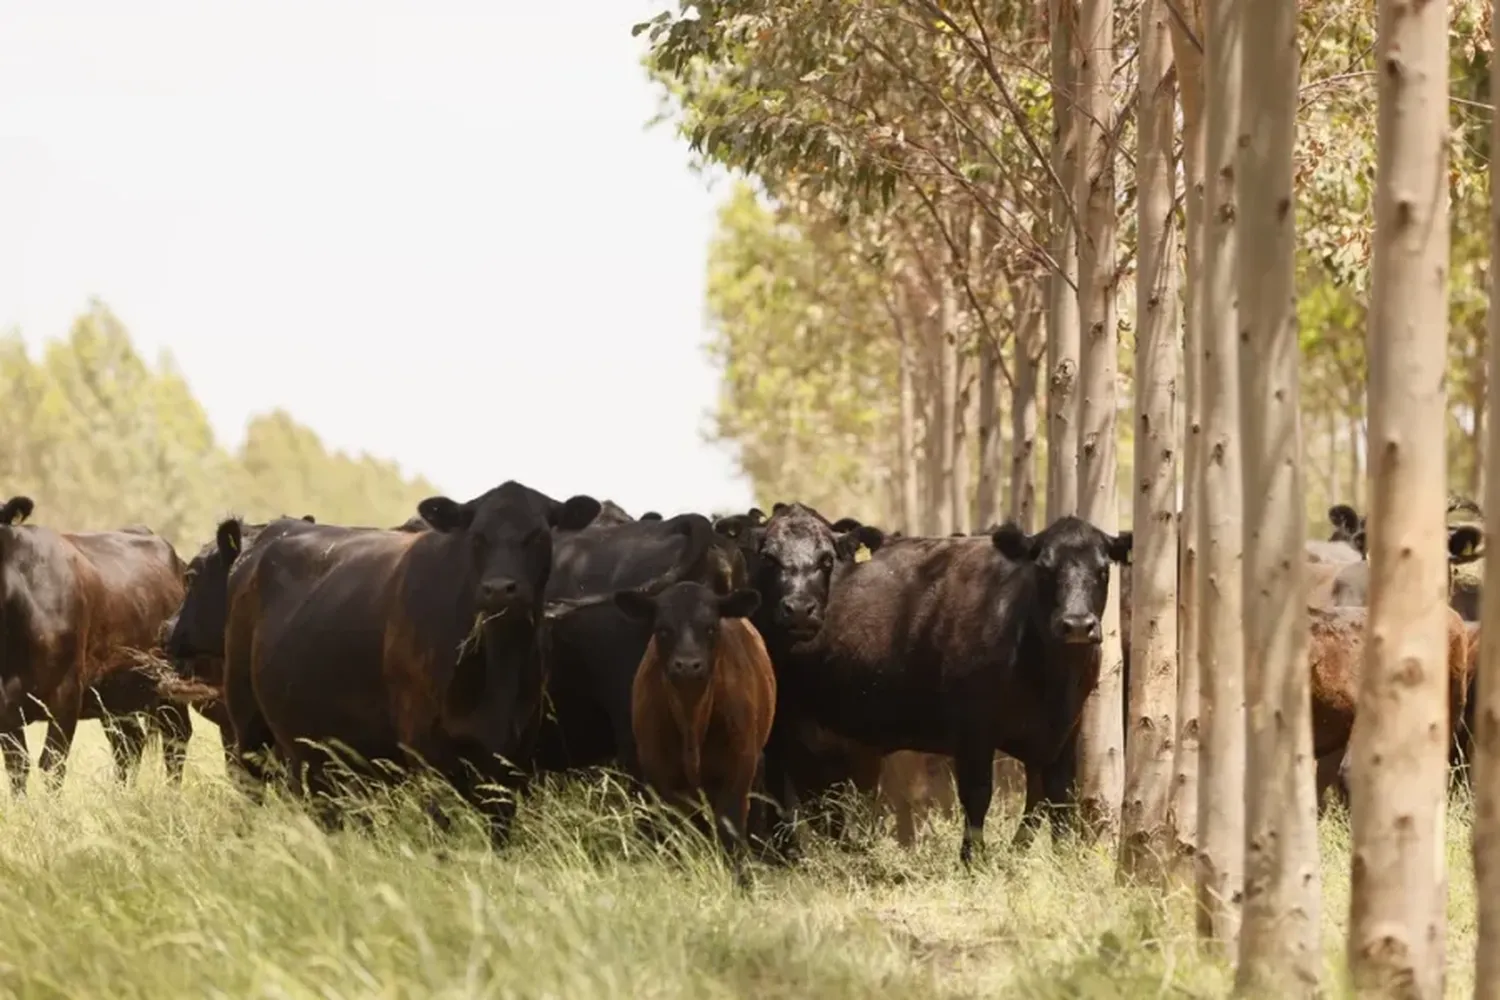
<point x="13" y="747"/>
<point x="127" y="742"/>
<point x="976" y="786"/>
<point x="176" y="728"/>
<point x="732" y="814"/>
<point x="67" y="706"/>
<point x="1031" y="813"/>
<point x="783" y="844"/>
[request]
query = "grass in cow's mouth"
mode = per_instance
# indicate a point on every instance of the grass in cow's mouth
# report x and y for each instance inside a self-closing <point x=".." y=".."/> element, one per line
<point x="109" y="891"/>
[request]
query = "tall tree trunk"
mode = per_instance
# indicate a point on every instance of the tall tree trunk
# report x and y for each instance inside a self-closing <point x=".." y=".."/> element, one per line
<point x="1399" y="749"/>
<point x="1356" y="468"/>
<point x="1062" y="294"/>
<point x="1279" y="950"/>
<point x="1145" y="844"/>
<point x="907" y="430"/>
<point x="1101" y="730"/>
<point x="1183" y="807"/>
<point x="946" y="405"/>
<point x="1487" y="693"/>
<point x="1479" y="389"/>
<point x="1221" y="761"/>
<point x="991" y="441"/>
<point x="1023" y="416"/>
<point x="958" y="483"/>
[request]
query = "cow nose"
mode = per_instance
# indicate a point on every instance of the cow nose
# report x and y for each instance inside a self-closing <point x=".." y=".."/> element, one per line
<point x="498" y="594"/>
<point x="687" y="666"/>
<point x="797" y="608"/>
<point x="1079" y="627"/>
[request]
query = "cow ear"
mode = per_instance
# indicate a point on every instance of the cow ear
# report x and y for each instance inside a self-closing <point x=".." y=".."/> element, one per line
<point x="445" y="514"/>
<point x="636" y="604"/>
<point x="1013" y="543"/>
<point x="740" y="604"/>
<point x="848" y="544"/>
<point x="16" y="510"/>
<point x="844" y="524"/>
<point x="1120" y="546"/>
<point x="309" y="519"/>
<point x="576" y="513"/>
<point x="651" y="515"/>
<point x="229" y="539"/>
<point x="757" y="516"/>
<point x="1343" y="517"/>
<point x="729" y="527"/>
<point x="777" y="508"/>
<point x="1464" y="543"/>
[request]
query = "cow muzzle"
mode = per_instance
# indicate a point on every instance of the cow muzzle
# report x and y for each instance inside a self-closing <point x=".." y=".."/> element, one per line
<point x="1081" y="629"/>
<point x="499" y="595"/>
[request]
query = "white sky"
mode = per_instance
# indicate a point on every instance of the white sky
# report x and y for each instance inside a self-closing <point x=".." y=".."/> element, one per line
<point x="435" y="230"/>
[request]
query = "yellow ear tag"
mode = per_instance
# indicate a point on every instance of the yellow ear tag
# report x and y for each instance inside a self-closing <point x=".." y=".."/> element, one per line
<point x="862" y="554"/>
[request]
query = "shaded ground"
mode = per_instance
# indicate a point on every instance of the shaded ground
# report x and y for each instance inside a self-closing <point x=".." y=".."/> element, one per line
<point x="149" y="891"/>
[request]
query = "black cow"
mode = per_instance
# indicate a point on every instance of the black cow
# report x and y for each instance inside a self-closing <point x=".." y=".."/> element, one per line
<point x="594" y="648"/>
<point x="794" y="558"/>
<point x="400" y="646"/>
<point x="964" y="647"/>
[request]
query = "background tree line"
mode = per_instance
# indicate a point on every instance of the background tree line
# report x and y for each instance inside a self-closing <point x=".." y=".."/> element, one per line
<point x="878" y="284"/>
<point x="101" y="438"/>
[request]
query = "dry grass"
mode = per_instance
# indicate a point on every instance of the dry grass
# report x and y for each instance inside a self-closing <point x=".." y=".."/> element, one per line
<point x="109" y="891"/>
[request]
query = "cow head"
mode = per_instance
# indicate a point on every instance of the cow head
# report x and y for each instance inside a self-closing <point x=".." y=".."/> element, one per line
<point x="509" y="541"/>
<point x="1072" y="560"/>
<point x="200" y="620"/>
<point x="16" y="510"/>
<point x="684" y="619"/>
<point x="797" y="554"/>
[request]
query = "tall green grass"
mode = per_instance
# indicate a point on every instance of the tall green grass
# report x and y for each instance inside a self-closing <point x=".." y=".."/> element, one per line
<point x="154" y="891"/>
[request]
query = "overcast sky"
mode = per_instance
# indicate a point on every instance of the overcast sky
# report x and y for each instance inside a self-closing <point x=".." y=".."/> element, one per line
<point x="435" y="230"/>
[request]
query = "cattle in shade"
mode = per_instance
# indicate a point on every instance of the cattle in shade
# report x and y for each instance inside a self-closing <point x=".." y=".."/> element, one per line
<point x="400" y="647"/>
<point x="791" y="559"/>
<point x="963" y="646"/>
<point x="1336" y="655"/>
<point x="594" y="649"/>
<point x="702" y="700"/>
<point x="78" y="612"/>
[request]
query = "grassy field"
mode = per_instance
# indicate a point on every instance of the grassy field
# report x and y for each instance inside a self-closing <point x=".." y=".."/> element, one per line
<point x="151" y="891"/>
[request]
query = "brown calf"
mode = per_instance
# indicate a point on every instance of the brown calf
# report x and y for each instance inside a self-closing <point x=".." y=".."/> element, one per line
<point x="702" y="701"/>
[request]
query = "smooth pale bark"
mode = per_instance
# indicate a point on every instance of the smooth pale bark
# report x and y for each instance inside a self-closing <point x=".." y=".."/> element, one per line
<point x="907" y="430"/>
<point x="958" y="479"/>
<point x="949" y="417"/>
<point x="1486" y="768"/>
<point x="1279" y="948"/>
<point x="1182" y="809"/>
<point x="1399" y="749"/>
<point x="1221" y="760"/>
<point x="1023" y="419"/>
<point x="991" y="441"/>
<point x="1101" y="729"/>
<point x="1145" y="842"/>
<point x="1062" y="296"/>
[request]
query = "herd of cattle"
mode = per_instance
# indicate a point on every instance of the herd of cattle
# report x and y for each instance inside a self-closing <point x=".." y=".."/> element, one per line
<point x="515" y="634"/>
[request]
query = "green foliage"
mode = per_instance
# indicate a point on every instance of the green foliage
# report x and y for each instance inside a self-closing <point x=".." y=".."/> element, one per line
<point x="908" y="126"/>
<point x="100" y="439"/>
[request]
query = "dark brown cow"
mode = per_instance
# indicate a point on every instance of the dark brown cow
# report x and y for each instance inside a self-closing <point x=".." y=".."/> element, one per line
<point x="77" y="612"/>
<point x="703" y="700"/>
<point x="962" y="646"/>
<point x="1336" y="659"/>
<point x="399" y="645"/>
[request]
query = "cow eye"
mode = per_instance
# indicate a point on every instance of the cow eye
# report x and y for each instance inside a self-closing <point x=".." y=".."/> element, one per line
<point x="825" y="561"/>
<point x="663" y="633"/>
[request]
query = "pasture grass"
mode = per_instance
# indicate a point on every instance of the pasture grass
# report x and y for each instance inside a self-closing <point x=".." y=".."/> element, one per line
<point x="153" y="891"/>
